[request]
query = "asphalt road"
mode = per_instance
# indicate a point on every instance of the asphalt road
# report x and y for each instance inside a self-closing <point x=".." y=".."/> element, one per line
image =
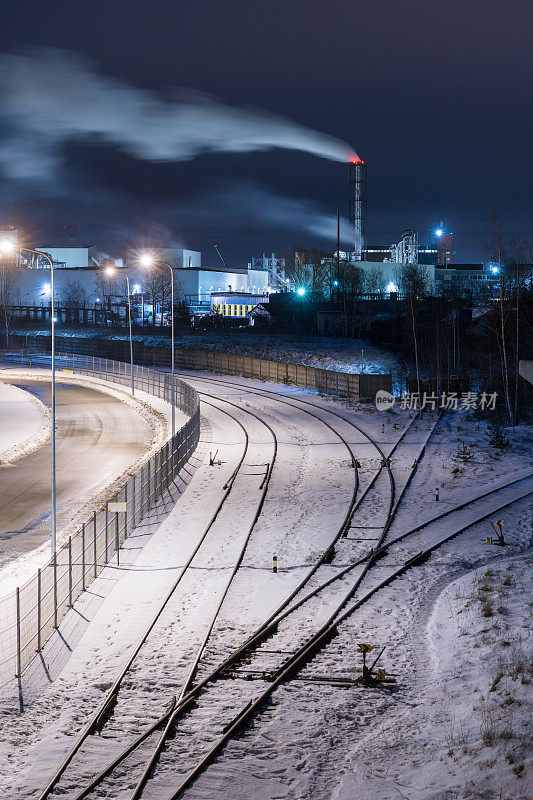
<point x="98" y="438"/>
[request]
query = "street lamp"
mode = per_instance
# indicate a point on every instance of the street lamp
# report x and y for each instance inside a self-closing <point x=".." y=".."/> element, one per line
<point x="113" y="271"/>
<point x="147" y="260"/>
<point x="8" y="246"/>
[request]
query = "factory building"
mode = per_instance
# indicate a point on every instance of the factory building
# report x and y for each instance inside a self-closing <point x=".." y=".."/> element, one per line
<point x="81" y="280"/>
<point x="235" y="304"/>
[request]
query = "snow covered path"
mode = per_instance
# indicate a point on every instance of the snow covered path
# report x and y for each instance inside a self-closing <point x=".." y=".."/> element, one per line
<point x="301" y="746"/>
<point x="25" y="423"/>
<point x="101" y="432"/>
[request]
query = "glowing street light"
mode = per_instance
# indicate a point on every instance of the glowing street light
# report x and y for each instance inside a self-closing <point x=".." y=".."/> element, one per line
<point x="300" y="291"/>
<point x="391" y="287"/>
<point x="46" y="289"/>
<point x="7" y="246"/>
<point x="112" y="271"/>
<point x="335" y="283"/>
<point x="494" y="270"/>
<point x="439" y="232"/>
<point x="148" y="260"/>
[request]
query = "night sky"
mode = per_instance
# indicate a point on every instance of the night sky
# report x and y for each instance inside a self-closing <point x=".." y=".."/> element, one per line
<point x="434" y="94"/>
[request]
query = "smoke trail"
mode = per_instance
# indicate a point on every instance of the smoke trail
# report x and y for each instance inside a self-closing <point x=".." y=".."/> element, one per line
<point x="245" y="205"/>
<point x="50" y="97"/>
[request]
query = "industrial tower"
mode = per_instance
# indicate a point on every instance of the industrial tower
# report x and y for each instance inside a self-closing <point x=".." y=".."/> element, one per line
<point x="358" y="205"/>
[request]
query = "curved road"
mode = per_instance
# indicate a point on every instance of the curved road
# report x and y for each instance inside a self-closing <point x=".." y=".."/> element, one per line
<point x="98" y="438"/>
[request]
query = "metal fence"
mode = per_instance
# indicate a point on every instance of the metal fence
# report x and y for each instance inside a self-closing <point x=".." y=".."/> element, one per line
<point x="325" y="381"/>
<point x="29" y="615"/>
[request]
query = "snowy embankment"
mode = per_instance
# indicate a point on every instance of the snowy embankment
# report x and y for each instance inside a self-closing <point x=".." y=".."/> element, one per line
<point x="153" y="410"/>
<point x="338" y="354"/>
<point x="25" y="423"/>
<point x="469" y="733"/>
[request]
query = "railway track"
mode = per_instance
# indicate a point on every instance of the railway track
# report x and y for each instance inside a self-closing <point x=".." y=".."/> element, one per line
<point x="217" y="705"/>
<point x="169" y="717"/>
<point x="99" y="718"/>
<point x="206" y="693"/>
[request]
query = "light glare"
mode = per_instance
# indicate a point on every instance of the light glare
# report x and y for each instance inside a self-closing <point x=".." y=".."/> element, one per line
<point x="7" y="246"/>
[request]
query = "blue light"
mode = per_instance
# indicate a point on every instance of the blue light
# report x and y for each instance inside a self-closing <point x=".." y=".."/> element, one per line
<point x="335" y="283"/>
<point x="494" y="270"/>
<point x="301" y="291"/>
<point x="439" y="232"/>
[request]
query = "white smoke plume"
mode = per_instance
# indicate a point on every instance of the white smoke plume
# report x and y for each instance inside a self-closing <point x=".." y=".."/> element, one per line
<point x="50" y="97"/>
<point x="245" y="205"/>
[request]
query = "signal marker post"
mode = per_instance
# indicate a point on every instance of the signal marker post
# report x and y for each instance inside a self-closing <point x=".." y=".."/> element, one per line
<point x="364" y="649"/>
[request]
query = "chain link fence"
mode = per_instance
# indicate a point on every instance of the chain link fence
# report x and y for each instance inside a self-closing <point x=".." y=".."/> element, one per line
<point x="29" y="615"/>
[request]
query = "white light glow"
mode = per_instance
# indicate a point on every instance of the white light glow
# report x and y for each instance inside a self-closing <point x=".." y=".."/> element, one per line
<point x="391" y="287"/>
<point x="7" y="246"/>
<point x="439" y="232"/>
<point x="136" y="288"/>
<point x="47" y="289"/>
<point x="146" y="260"/>
<point x="110" y="271"/>
<point x="494" y="270"/>
<point x="300" y="291"/>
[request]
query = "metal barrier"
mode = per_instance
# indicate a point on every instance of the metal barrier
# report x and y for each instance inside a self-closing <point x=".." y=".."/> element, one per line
<point x="32" y="612"/>
<point x="325" y="381"/>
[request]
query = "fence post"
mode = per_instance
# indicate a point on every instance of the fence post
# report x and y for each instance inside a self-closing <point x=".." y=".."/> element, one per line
<point x="70" y="571"/>
<point x="106" y="534"/>
<point x="134" y="503"/>
<point x="117" y="543"/>
<point x="55" y="589"/>
<point x="94" y="546"/>
<point x="126" y="512"/>
<point x="17" y="601"/>
<point x="39" y="593"/>
<point x="83" y="557"/>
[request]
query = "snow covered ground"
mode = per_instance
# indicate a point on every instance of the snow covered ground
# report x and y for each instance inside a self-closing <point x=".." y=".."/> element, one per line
<point x="449" y="728"/>
<point x="25" y="423"/>
<point x="317" y="351"/>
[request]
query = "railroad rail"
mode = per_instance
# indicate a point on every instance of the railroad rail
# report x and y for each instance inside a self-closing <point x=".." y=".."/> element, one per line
<point x="175" y="709"/>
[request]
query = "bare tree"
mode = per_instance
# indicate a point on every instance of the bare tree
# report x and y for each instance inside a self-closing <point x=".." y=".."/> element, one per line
<point x="73" y="295"/>
<point x="414" y="283"/>
<point x="350" y="290"/>
<point x="158" y="288"/>
<point x="108" y="286"/>
<point x="8" y="286"/>
<point x="518" y="246"/>
<point x="496" y="248"/>
<point x="374" y="280"/>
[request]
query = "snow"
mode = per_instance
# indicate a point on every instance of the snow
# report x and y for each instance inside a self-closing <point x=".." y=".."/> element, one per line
<point x="25" y="423"/>
<point x="317" y="351"/>
<point x="468" y="733"/>
<point x="313" y="740"/>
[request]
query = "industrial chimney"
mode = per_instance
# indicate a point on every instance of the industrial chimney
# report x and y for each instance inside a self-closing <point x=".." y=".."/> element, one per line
<point x="358" y="205"/>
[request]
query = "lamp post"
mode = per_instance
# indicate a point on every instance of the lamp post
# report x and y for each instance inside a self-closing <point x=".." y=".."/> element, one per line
<point x="8" y="246"/>
<point x="112" y="271"/>
<point x="148" y="260"/>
